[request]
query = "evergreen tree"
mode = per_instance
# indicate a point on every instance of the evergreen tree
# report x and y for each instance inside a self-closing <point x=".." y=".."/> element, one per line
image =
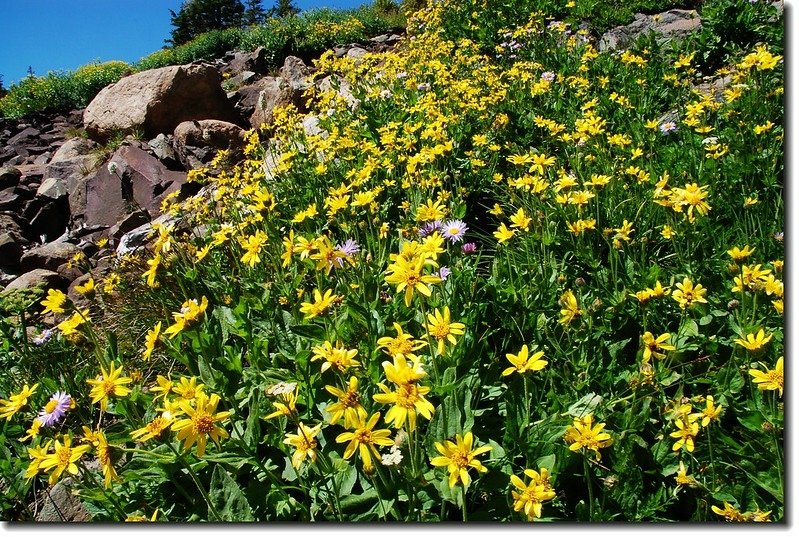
<point x="284" y="8"/>
<point x="198" y="16"/>
<point x="254" y="13"/>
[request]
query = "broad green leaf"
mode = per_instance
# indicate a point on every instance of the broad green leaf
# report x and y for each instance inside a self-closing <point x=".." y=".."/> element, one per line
<point x="228" y="498"/>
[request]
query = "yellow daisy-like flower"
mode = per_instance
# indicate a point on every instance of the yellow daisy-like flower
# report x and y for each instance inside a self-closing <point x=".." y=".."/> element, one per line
<point x="401" y="344"/>
<point x="190" y="313"/>
<point x="583" y="434"/>
<point x="430" y="211"/>
<point x="771" y="379"/>
<point x="682" y="477"/>
<point x="688" y="294"/>
<point x="442" y="329"/>
<point x="730" y="513"/>
<point x="15" y="402"/>
<point x="710" y="413"/>
<point x="365" y="439"/>
<point x="503" y="234"/>
<point x="70" y="326"/>
<point x="685" y="433"/>
<point x="339" y="356"/>
<point x="523" y="363"/>
<point x="187" y="388"/>
<point x="652" y="345"/>
<point x="63" y="458"/>
<point x="37" y="456"/>
<point x="108" y="384"/>
<point x="54" y="302"/>
<point x="252" y="248"/>
<point x="285" y="406"/>
<point x="531" y="496"/>
<point x="86" y="289"/>
<point x="150" y="341"/>
<point x="738" y="254"/>
<point x="348" y="405"/>
<point x="458" y="457"/>
<point x="320" y="304"/>
<point x="407" y="276"/>
<point x="201" y="423"/>
<point x="304" y="443"/>
<point x="520" y="220"/>
<point x="408" y="398"/>
<point x="100" y="443"/>
<point x="754" y="342"/>
<point x="154" y="429"/>
<point x="569" y="308"/>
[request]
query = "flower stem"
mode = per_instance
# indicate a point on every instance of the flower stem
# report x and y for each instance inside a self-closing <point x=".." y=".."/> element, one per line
<point x="197" y="483"/>
<point x="587" y="473"/>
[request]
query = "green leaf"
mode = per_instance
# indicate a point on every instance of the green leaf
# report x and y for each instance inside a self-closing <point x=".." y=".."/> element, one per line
<point x="616" y="347"/>
<point x="228" y="498"/>
<point x="311" y="331"/>
<point x="586" y="405"/>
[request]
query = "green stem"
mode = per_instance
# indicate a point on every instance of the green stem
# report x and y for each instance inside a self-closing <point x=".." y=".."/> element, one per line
<point x="197" y="483"/>
<point x="110" y="498"/>
<point x="587" y="473"/>
<point x="463" y="504"/>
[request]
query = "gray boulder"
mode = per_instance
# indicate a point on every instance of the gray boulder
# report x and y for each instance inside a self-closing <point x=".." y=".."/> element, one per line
<point x="49" y="256"/>
<point x="674" y="24"/>
<point x="38" y="277"/>
<point x="158" y="100"/>
<point x="197" y="142"/>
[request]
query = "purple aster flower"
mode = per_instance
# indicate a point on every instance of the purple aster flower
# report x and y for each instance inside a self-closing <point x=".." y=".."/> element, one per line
<point x="444" y="273"/>
<point x="348" y="248"/>
<point x="55" y="409"/>
<point x="469" y="248"/>
<point x="667" y="127"/>
<point x="454" y="230"/>
<point x="429" y="228"/>
<point x="549" y="76"/>
<point x="43" y="338"/>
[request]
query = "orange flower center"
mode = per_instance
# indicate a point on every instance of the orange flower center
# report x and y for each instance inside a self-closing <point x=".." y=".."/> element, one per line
<point x="407" y="395"/>
<point x="350" y="399"/>
<point x="63" y="455"/>
<point x="203" y="423"/>
<point x="109" y="387"/>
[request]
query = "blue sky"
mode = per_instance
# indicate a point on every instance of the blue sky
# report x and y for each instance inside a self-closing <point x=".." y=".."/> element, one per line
<point x="60" y="35"/>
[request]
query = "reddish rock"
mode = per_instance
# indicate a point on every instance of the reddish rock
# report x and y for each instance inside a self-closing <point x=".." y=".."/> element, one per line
<point x="144" y="177"/>
<point x="104" y="203"/>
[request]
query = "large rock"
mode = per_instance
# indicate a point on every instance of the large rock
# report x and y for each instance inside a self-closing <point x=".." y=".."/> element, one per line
<point x="144" y="177"/>
<point x="60" y="505"/>
<point x="131" y="180"/>
<point x="39" y="277"/>
<point x="9" y="177"/>
<point x="296" y="73"/>
<point x="156" y="101"/>
<point x="196" y="142"/>
<point x="674" y="24"/>
<point x="11" y="245"/>
<point x="103" y="202"/>
<point x="49" y="256"/>
<point x="341" y="86"/>
<point x="255" y="61"/>
<point x="245" y="98"/>
<point x="281" y="91"/>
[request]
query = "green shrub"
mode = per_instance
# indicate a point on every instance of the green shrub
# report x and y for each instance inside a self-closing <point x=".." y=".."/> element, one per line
<point x="306" y="35"/>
